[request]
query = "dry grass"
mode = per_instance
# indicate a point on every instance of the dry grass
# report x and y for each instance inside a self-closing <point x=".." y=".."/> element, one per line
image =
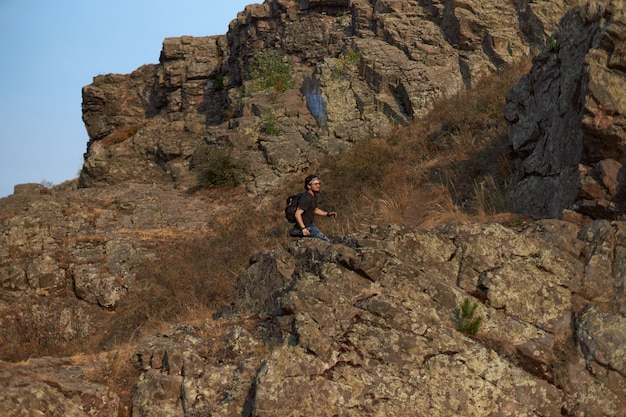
<point x="113" y="369"/>
<point x="451" y="165"/>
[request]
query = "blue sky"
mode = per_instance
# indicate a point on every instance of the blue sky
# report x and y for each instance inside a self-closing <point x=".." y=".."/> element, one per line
<point x="50" y="49"/>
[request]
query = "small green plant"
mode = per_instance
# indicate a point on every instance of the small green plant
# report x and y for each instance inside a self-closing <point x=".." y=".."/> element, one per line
<point x="553" y="43"/>
<point x="214" y="167"/>
<point x="346" y="63"/>
<point x="268" y="70"/>
<point x="269" y="124"/>
<point x="466" y="321"/>
<point x="218" y="82"/>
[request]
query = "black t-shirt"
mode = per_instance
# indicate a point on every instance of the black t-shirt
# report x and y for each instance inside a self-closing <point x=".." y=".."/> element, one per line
<point x="308" y="203"/>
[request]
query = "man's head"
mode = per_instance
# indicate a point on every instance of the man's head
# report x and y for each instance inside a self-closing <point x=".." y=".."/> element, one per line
<point x="312" y="182"/>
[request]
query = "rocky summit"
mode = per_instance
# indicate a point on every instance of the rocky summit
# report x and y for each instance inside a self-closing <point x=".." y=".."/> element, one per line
<point x="355" y="70"/>
<point x="523" y="318"/>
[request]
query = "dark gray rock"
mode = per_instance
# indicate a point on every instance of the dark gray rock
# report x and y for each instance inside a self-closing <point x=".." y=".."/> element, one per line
<point x="556" y="121"/>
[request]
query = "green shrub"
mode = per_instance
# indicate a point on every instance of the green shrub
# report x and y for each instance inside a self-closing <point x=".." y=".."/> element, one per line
<point x="554" y="44"/>
<point x="346" y="63"/>
<point x="214" y="167"/>
<point x="466" y="322"/>
<point x="268" y="70"/>
<point x="218" y="82"/>
<point x="269" y="124"/>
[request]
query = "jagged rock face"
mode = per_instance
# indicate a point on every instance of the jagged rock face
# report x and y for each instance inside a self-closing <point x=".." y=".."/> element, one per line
<point x="366" y="326"/>
<point x="69" y="256"/>
<point x="360" y="67"/>
<point x="569" y="110"/>
<point x="53" y="387"/>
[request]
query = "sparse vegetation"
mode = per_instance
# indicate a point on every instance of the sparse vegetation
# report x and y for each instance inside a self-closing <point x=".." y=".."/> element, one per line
<point x="269" y="124"/>
<point x="218" y="82"/>
<point x="449" y="165"/>
<point x="466" y="320"/>
<point x="346" y="63"/>
<point x="554" y="44"/>
<point x="214" y="167"/>
<point x="268" y="70"/>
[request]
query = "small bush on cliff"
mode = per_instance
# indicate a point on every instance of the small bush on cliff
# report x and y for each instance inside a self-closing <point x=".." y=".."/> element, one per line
<point x="346" y="63"/>
<point x="214" y="167"/>
<point x="269" y="124"/>
<point x="466" y="321"/>
<point x="268" y="70"/>
<point x="218" y="82"/>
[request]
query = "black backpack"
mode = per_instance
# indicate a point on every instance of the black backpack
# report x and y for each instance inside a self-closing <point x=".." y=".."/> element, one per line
<point x="291" y="206"/>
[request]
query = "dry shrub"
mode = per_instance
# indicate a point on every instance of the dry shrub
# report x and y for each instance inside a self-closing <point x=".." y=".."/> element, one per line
<point x="362" y="167"/>
<point x="115" y="370"/>
<point x="120" y="135"/>
<point x="189" y="273"/>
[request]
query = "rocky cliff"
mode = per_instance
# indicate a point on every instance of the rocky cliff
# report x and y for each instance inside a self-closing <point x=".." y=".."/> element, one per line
<point x="368" y="326"/>
<point x="357" y="69"/>
<point x="374" y="323"/>
<point x="567" y="119"/>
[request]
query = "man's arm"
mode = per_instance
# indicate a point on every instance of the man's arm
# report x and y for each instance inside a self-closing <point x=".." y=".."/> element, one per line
<point x="321" y="212"/>
<point x="300" y="222"/>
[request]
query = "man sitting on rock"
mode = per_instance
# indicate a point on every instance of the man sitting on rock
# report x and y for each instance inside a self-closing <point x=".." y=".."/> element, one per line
<point x="307" y="210"/>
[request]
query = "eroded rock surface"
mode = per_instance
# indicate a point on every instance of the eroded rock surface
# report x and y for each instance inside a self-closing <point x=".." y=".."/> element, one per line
<point x="69" y="256"/>
<point x="53" y="387"/>
<point x="359" y="68"/>
<point x="366" y="326"/>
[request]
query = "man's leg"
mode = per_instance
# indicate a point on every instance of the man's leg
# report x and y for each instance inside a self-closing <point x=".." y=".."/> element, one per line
<point x="316" y="233"/>
<point x="295" y="232"/>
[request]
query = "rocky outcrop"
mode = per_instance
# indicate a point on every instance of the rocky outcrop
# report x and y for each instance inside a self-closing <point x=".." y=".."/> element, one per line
<point x="359" y="68"/>
<point x="366" y="326"/>
<point x="54" y="387"/>
<point x="67" y="257"/>
<point x="566" y="118"/>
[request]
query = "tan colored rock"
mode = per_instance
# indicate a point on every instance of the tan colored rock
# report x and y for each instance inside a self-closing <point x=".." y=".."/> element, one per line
<point x="359" y="69"/>
<point x="366" y="326"/>
<point x="53" y="387"/>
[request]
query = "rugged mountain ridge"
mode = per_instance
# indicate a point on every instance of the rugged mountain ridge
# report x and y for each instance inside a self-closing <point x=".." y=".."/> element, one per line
<point x="364" y="326"/>
<point x="402" y="56"/>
